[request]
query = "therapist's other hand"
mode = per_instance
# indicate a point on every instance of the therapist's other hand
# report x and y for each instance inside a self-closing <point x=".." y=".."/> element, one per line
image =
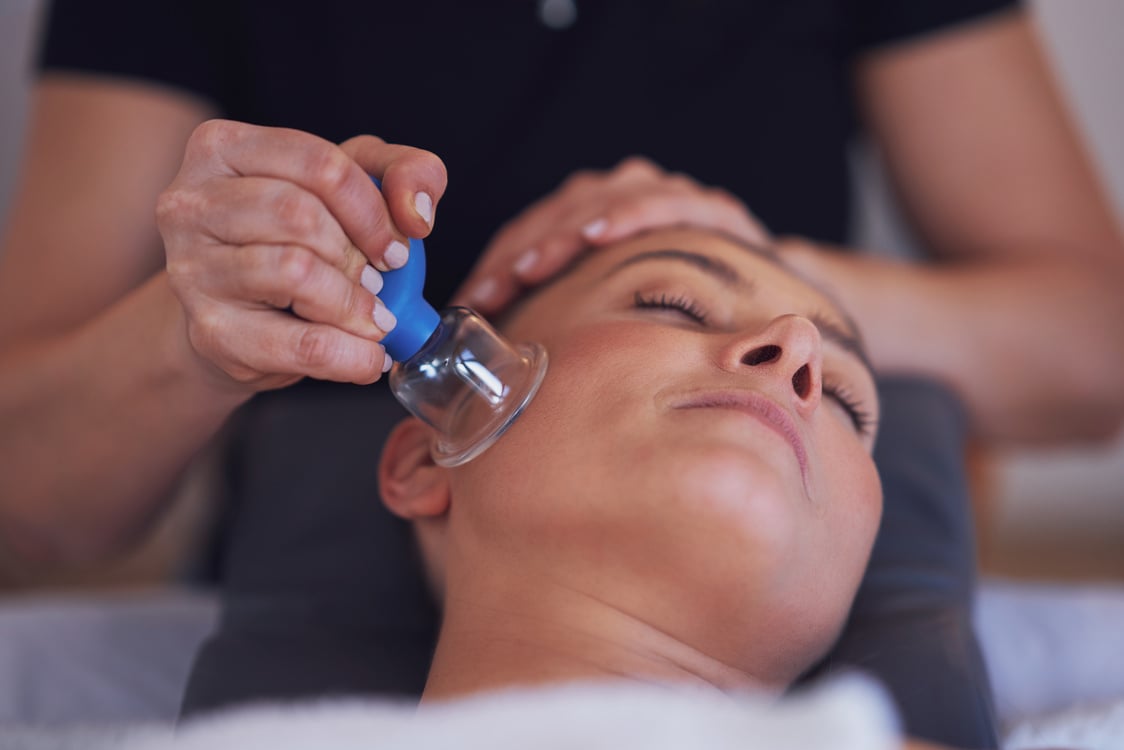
<point x="591" y="209"/>
<point x="274" y="241"/>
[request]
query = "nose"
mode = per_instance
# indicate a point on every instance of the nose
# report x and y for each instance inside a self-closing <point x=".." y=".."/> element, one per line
<point x="789" y="349"/>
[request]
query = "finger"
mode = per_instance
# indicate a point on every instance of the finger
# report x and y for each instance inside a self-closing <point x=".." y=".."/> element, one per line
<point x="494" y="287"/>
<point x="260" y="210"/>
<point x="233" y="149"/>
<point x="282" y="343"/>
<point x="489" y="294"/>
<point x="637" y="169"/>
<point x="677" y="201"/>
<point x="291" y="276"/>
<point x="413" y="180"/>
<point x="705" y="208"/>
<point x="513" y="251"/>
<point x="547" y="238"/>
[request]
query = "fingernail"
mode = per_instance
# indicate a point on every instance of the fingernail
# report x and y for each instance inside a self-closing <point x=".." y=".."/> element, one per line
<point x="371" y="280"/>
<point x="396" y="254"/>
<point x="387" y="363"/>
<point x="526" y="263"/>
<point x="594" y="229"/>
<point x="423" y="204"/>
<point x="484" y="291"/>
<point x="384" y="318"/>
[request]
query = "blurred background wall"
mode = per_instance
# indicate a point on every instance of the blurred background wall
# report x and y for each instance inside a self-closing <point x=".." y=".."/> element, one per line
<point x="1046" y="513"/>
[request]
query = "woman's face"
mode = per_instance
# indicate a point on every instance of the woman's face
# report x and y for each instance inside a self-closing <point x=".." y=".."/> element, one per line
<point x="699" y="453"/>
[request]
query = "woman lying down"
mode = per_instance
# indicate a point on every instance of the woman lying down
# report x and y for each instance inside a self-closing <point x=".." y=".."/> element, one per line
<point x="671" y="533"/>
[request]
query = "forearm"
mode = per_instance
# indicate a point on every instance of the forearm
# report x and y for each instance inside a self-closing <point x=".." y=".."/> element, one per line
<point x="1035" y="348"/>
<point x="96" y="425"/>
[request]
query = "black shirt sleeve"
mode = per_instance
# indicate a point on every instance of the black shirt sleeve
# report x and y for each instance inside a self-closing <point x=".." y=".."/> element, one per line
<point x="178" y="43"/>
<point x="877" y="23"/>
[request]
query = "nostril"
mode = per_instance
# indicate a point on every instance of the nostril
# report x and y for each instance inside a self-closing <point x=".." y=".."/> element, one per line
<point x="802" y="382"/>
<point x="761" y="355"/>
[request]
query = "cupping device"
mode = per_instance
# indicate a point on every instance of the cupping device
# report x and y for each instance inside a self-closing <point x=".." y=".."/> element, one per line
<point x="452" y="370"/>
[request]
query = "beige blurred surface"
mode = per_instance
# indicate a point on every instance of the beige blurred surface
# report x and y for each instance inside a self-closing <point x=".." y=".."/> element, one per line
<point x="1061" y="512"/>
<point x="1048" y="514"/>
<point x="1055" y="513"/>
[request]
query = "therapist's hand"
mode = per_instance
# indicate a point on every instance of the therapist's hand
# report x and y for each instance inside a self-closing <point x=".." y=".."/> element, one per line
<point x="274" y="241"/>
<point x="591" y="209"/>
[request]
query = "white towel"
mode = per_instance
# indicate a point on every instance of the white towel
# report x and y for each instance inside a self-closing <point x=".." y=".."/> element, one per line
<point x="845" y="714"/>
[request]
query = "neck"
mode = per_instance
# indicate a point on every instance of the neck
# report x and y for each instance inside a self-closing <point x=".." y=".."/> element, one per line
<point x="492" y="640"/>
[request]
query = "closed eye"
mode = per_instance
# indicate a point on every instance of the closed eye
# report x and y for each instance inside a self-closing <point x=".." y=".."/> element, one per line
<point x="860" y="418"/>
<point x="679" y="303"/>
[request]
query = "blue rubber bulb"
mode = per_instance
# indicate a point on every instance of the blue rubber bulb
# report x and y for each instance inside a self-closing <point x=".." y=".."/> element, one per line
<point x="402" y="294"/>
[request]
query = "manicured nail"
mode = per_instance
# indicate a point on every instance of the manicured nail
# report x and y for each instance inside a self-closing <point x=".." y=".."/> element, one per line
<point x="594" y="229"/>
<point x="526" y="263"/>
<point x="371" y="280"/>
<point x="396" y="254"/>
<point x="484" y="291"/>
<point x="387" y="363"/>
<point x="384" y="318"/>
<point x="423" y="204"/>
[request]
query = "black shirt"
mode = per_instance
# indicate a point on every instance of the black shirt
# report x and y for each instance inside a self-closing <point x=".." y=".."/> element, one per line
<point x="750" y="95"/>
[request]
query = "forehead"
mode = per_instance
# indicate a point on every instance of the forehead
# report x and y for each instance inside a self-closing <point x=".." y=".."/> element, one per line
<point x="744" y="270"/>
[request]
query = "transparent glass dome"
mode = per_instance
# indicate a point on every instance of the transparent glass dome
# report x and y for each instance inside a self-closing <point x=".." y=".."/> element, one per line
<point x="467" y="383"/>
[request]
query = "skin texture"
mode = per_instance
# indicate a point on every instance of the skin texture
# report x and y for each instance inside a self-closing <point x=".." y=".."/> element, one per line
<point x="634" y="521"/>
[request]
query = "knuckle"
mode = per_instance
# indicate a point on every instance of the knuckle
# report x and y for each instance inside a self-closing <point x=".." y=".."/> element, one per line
<point x="315" y="348"/>
<point x="297" y="211"/>
<point x="504" y="237"/>
<point x="210" y="137"/>
<point x="351" y="261"/>
<point x="204" y="329"/>
<point x="725" y="199"/>
<point x="363" y="140"/>
<point x="200" y="338"/>
<point x="180" y="271"/>
<point x="331" y="169"/>
<point x="580" y="179"/>
<point x="355" y="301"/>
<point x="378" y="221"/>
<point x="681" y="182"/>
<point x="295" y="266"/>
<point x="178" y="205"/>
<point x="420" y="165"/>
<point x="636" y="165"/>
<point x="434" y="168"/>
<point x="557" y="251"/>
<point x="370" y="366"/>
<point x="168" y="206"/>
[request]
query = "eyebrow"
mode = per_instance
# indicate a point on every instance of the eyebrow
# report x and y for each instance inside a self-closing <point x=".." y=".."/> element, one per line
<point x="843" y="336"/>
<point x="712" y="266"/>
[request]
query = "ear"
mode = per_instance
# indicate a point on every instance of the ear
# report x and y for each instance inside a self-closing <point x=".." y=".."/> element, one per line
<point x="411" y="484"/>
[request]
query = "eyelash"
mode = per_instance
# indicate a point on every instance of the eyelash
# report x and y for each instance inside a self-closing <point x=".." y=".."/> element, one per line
<point x="680" y="303"/>
<point x="861" y="418"/>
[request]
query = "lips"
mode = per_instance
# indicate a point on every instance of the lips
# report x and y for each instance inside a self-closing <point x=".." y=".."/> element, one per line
<point x="755" y="405"/>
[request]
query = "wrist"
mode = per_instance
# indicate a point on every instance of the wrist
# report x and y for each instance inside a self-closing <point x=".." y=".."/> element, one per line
<point x="201" y="381"/>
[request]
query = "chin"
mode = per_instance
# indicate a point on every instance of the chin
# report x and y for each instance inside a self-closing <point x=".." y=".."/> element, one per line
<point x="744" y="491"/>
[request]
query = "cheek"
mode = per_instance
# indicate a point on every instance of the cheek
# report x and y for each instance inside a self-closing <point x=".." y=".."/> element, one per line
<point x="589" y="418"/>
<point x="851" y="488"/>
